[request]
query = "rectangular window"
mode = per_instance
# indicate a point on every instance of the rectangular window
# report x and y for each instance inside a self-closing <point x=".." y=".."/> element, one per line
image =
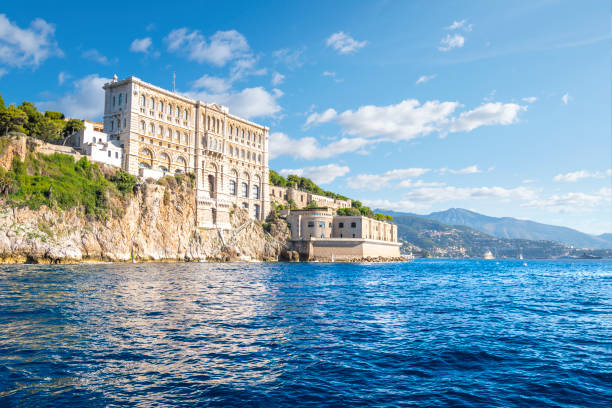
<point x="109" y="153"/>
<point x="341" y="225"/>
<point x="353" y="225"/>
<point x="310" y="224"/>
<point x="322" y="224"/>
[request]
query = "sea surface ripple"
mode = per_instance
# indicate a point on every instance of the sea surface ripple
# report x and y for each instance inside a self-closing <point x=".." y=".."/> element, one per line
<point x="425" y="333"/>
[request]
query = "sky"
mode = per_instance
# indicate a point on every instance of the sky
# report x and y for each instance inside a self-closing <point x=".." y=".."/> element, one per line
<point x="499" y="107"/>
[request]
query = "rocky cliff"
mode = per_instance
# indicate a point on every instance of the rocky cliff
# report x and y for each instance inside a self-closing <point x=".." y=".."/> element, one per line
<point x="154" y="223"/>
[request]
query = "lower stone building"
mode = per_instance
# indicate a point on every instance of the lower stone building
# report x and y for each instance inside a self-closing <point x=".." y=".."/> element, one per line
<point x="282" y="195"/>
<point x="318" y="234"/>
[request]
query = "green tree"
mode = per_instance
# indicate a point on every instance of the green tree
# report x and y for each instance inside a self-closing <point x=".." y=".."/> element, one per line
<point x="1" y="102"/>
<point x="46" y="130"/>
<point x="73" y="125"/>
<point x="12" y="119"/>
<point x="53" y="115"/>
<point x="34" y="118"/>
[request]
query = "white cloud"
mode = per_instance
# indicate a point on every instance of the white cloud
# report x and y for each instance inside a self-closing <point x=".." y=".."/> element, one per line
<point x="566" y="98"/>
<point x="373" y="182"/>
<point x="573" y="202"/>
<point x="213" y="84"/>
<point x="459" y="24"/>
<point x="530" y="99"/>
<point x="344" y="43"/>
<point x="96" y="56"/>
<point x="320" y="174"/>
<point x="329" y="74"/>
<point x="581" y="174"/>
<point x="452" y="193"/>
<point x="84" y="101"/>
<point x="422" y="198"/>
<point x="141" y="45"/>
<point x="62" y="77"/>
<point x="221" y="48"/>
<point x="3" y="72"/>
<point x="27" y="47"/>
<point x="495" y="113"/>
<point x="449" y="42"/>
<point x="248" y="103"/>
<point x="291" y="58"/>
<point x="310" y="148"/>
<point x="409" y="119"/>
<point x="277" y="78"/>
<point x="467" y="170"/>
<point x="405" y="120"/>
<point x="315" y="118"/>
<point x="425" y="78"/>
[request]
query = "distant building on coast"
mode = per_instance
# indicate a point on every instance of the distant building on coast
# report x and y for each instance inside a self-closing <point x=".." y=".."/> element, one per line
<point x="320" y="234"/>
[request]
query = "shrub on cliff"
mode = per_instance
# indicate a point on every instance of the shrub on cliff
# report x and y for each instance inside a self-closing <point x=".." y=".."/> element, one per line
<point x="57" y="181"/>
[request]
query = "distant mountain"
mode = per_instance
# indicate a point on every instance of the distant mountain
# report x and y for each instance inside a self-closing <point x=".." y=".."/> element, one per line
<point x="432" y="238"/>
<point x="512" y="228"/>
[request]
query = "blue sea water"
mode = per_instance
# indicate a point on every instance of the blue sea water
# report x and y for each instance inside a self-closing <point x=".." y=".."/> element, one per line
<point x="426" y="333"/>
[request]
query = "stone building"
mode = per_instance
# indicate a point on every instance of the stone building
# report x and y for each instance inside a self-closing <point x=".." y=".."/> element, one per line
<point x="319" y="234"/>
<point x="282" y="195"/>
<point x="93" y="142"/>
<point x="163" y="132"/>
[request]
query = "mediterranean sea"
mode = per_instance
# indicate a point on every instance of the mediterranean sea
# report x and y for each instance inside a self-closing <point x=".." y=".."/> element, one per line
<point x="425" y="333"/>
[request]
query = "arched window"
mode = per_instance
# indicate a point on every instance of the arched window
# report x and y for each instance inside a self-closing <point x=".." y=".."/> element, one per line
<point x="256" y="191"/>
<point x="218" y="126"/>
<point x="232" y="187"/>
<point x="259" y="158"/>
<point x="151" y="128"/>
<point x="160" y="130"/>
<point x="169" y="109"/>
<point x="259" y="138"/>
<point x="214" y="144"/>
<point x="181" y="163"/>
<point x="178" y="112"/>
<point x="242" y="153"/>
<point x="231" y="130"/>
<point x="146" y="158"/>
<point x="143" y="125"/>
<point x="118" y="124"/>
<point x="152" y="103"/>
<point x="243" y="134"/>
<point x="186" y="115"/>
<point x="248" y="155"/>
<point x="211" y="185"/>
<point x="244" y="190"/>
<point x="142" y="100"/>
<point x="231" y="151"/>
<point x="160" y="106"/>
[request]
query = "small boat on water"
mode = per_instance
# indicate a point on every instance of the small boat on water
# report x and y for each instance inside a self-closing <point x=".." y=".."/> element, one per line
<point x="488" y="255"/>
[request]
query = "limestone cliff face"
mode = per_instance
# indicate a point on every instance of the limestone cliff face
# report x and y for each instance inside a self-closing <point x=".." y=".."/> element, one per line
<point x="156" y="223"/>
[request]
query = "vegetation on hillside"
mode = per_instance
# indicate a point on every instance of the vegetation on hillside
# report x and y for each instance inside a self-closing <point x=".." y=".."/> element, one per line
<point x="57" y="181"/>
<point x="307" y="184"/>
<point x="49" y="126"/>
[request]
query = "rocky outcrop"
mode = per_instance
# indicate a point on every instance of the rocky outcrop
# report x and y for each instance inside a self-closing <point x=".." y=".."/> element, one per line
<point x="156" y="223"/>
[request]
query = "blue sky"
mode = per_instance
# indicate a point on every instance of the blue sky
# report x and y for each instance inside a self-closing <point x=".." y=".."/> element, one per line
<point x="499" y="107"/>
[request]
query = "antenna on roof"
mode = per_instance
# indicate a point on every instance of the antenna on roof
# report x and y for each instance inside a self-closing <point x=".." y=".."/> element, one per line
<point x="174" y="82"/>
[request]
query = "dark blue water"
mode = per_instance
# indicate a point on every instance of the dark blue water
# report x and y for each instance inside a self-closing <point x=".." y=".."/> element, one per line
<point x="427" y="333"/>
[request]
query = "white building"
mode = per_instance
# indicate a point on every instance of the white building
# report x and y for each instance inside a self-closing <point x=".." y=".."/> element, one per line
<point x="94" y="142"/>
